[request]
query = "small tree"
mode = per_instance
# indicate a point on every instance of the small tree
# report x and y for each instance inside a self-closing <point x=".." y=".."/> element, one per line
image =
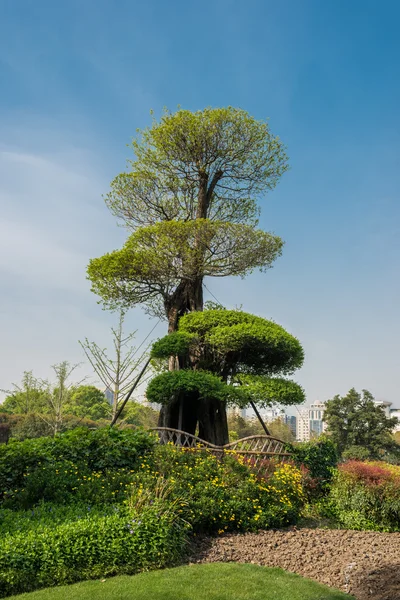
<point x="115" y="373"/>
<point x="225" y="357"/>
<point x="57" y="396"/>
<point x="28" y="397"/>
<point x="355" y="420"/>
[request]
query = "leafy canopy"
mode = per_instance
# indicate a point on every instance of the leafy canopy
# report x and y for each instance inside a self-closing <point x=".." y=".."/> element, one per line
<point x="245" y="355"/>
<point x="355" y="420"/>
<point x="156" y="259"/>
<point x="223" y="155"/>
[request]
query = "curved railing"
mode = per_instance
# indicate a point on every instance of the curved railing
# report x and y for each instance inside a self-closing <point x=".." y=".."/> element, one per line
<point x="254" y="448"/>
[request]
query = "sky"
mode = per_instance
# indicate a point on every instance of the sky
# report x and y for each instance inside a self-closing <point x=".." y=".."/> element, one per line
<point x="78" y="78"/>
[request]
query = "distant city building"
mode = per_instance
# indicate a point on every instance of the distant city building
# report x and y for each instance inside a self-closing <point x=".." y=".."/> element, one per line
<point x="310" y="422"/>
<point x="395" y="412"/>
<point x="385" y="405"/>
<point x="109" y="394"/>
<point x="303" y="425"/>
<point x="291" y="422"/>
<point x="316" y="414"/>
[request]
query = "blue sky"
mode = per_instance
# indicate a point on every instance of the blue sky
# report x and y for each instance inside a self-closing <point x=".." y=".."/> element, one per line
<point x="77" y="79"/>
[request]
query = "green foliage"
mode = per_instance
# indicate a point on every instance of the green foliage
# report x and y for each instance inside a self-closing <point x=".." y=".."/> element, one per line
<point x="257" y="346"/>
<point x="91" y="547"/>
<point x="356" y="453"/>
<point x="225" y="495"/>
<point x="89" y="402"/>
<point x="239" y="348"/>
<point x="175" y="344"/>
<point x="30" y="426"/>
<point x="28" y="397"/>
<point x="355" y="420"/>
<point x="320" y="457"/>
<point x="199" y="384"/>
<point x="96" y="451"/>
<point x="226" y="149"/>
<point x="155" y="259"/>
<point x="366" y="495"/>
<point x="265" y="391"/>
<point x="139" y="415"/>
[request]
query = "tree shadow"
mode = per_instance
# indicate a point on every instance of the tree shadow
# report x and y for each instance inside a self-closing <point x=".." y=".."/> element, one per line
<point x="380" y="583"/>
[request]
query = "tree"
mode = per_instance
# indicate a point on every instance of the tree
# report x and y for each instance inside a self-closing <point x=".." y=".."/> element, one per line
<point x="26" y="398"/>
<point x="87" y="402"/>
<point x="139" y="415"/>
<point x="191" y="199"/>
<point x="226" y="357"/>
<point x="115" y="373"/>
<point x="190" y="196"/>
<point x="355" y="420"/>
<point x="57" y="396"/>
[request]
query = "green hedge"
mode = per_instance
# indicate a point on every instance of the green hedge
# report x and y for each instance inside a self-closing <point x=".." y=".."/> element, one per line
<point x="320" y="457"/>
<point x="92" y="451"/>
<point x="91" y="547"/>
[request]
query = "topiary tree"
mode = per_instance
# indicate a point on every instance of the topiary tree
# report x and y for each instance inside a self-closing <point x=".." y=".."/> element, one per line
<point x="191" y="199"/>
<point x="223" y="357"/>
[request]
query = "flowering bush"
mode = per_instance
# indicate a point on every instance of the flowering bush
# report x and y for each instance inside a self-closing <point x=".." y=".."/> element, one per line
<point x="224" y="495"/>
<point x="56" y="464"/>
<point x="366" y="495"/>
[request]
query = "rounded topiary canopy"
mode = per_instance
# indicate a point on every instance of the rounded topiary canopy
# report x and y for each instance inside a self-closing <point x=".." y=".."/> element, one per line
<point x="233" y="356"/>
<point x="244" y="342"/>
<point x="171" y="384"/>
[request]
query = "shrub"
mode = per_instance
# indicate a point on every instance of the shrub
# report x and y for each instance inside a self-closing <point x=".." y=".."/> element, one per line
<point x="81" y="450"/>
<point x="366" y="495"/>
<point x="356" y="453"/>
<point x="225" y="495"/>
<point x="94" y="546"/>
<point x="319" y="457"/>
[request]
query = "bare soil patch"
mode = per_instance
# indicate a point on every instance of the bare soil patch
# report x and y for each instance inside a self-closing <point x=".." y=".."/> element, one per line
<point x="365" y="564"/>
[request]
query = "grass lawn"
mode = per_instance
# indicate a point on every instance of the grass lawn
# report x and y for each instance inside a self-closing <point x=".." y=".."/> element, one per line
<point x="216" y="581"/>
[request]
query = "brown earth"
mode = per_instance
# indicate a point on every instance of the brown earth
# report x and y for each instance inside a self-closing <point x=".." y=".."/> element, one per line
<point x="365" y="564"/>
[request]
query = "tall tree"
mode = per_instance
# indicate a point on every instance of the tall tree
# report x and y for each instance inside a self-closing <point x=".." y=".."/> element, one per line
<point x="210" y="166"/>
<point x="191" y="199"/>
<point x="356" y="420"/>
<point x="118" y="372"/>
<point x="226" y="357"/>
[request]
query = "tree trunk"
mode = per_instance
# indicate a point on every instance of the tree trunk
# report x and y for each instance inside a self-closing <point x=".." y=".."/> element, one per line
<point x="188" y="297"/>
<point x="213" y="423"/>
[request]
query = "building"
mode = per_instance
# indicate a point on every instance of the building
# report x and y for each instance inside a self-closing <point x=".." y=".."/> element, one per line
<point x="395" y="412"/>
<point x="303" y="425"/>
<point x="109" y="394"/>
<point x="385" y="405"/>
<point x="291" y="422"/>
<point x="310" y="422"/>
<point x="316" y="415"/>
